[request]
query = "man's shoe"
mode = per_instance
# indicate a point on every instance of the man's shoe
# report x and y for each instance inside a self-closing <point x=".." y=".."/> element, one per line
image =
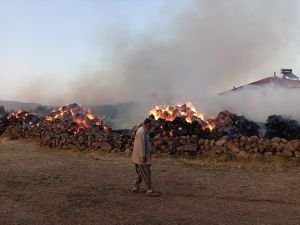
<point x="152" y="194"/>
<point x="137" y="190"/>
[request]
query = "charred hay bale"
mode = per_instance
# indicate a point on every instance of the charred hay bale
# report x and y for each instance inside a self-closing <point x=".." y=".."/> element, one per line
<point x="282" y="128"/>
<point x="233" y="125"/>
<point x="176" y="128"/>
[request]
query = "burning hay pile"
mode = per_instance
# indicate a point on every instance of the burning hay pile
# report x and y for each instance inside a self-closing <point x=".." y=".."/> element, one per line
<point x="176" y="130"/>
<point x="182" y="130"/>
<point x="68" y="127"/>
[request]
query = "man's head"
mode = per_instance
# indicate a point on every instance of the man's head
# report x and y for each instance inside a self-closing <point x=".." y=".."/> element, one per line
<point x="148" y="123"/>
<point x="151" y="117"/>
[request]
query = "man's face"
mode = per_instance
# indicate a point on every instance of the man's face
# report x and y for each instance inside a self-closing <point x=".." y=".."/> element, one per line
<point x="148" y="126"/>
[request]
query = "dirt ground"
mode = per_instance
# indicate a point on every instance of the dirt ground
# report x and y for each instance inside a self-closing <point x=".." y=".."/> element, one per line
<point x="40" y="186"/>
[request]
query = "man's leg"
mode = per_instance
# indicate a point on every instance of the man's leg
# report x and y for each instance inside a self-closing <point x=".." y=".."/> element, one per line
<point x="146" y="174"/>
<point x="145" y="171"/>
<point x="138" y="180"/>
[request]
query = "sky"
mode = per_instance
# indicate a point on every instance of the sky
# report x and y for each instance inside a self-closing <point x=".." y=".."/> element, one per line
<point x="58" y="38"/>
<point x="165" y="51"/>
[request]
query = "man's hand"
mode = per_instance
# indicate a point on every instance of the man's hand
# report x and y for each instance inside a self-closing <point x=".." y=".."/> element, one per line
<point x="143" y="160"/>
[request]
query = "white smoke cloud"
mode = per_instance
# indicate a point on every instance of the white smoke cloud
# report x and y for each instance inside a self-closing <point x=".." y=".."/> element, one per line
<point x="259" y="102"/>
<point x="210" y="47"/>
<point x="205" y="49"/>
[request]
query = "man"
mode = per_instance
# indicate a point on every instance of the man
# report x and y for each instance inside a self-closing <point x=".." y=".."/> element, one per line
<point x="141" y="157"/>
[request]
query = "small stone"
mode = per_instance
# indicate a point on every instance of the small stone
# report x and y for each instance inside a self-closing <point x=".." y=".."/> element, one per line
<point x="220" y="149"/>
<point x="206" y="148"/>
<point x="182" y="141"/>
<point x="166" y="139"/>
<point x="287" y="153"/>
<point x="95" y="144"/>
<point x="248" y="147"/>
<point x="226" y="137"/>
<point x="243" y="155"/>
<point x="257" y="156"/>
<point x="268" y="154"/>
<point x="163" y="148"/>
<point x="275" y="145"/>
<point x="290" y="147"/>
<point x="115" y="150"/>
<point x="284" y="141"/>
<point x="157" y="137"/>
<point x="243" y="139"/>
<point x="157" y="143"/>
<point x="275" y="140"/>
<point x="206" y="142"/>
<point x="253" y="139"/>
<point x="83" y="147"/>
<point x="201" y="142"/>
<point x="194" y="137"/>
<point x="221" y="142"/>
<point x="106" y="147"/>
<point x="233" y="148"/>
<point x="81" y="139"/>
<point x="188" y="148"/>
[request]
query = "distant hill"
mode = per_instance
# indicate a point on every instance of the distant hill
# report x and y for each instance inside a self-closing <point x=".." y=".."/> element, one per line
<point x="13" y="105"/>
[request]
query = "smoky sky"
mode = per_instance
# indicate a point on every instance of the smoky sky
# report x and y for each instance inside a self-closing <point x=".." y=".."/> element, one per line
<point x="206" y="49"/>
<point x="200" y="51"/>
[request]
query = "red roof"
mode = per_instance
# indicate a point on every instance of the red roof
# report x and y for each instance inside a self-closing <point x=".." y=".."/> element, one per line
<point x="280" y="82"/>
<point x="286" y="83"/>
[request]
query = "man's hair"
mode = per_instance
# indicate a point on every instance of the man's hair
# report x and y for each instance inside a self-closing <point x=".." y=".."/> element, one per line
<point x="147" y="121"/>
<point x="151" y="117"/>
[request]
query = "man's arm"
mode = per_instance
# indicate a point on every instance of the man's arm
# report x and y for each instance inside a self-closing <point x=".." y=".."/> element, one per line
<point x="141" y="146"/>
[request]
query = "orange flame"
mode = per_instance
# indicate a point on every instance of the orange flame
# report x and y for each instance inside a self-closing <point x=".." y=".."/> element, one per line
<point x="79" y="115"/>
<point x="188" y="111"/>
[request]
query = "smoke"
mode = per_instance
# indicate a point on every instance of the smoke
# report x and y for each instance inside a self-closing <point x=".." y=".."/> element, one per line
<point x="258" y="102"/>
<point x="47" y="90"/>
<point x="204" y="49"/>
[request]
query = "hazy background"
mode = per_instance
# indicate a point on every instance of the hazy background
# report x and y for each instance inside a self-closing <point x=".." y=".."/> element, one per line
<point x="150" y="52"/>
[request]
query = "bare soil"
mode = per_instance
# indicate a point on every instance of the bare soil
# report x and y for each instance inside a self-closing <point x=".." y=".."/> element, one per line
<point x="43" y="186"/>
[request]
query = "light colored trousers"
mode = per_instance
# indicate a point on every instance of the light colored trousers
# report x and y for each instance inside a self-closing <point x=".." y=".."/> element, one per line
<point x="143" y="174"/>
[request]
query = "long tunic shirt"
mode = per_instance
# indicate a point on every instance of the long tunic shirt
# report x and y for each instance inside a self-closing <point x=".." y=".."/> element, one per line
<point x="141" y="146"/>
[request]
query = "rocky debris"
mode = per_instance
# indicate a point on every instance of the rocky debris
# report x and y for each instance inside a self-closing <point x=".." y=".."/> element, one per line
<point x="91" y="139"/>
<point x="243" y="147"/>
<point x="233" y="135"/>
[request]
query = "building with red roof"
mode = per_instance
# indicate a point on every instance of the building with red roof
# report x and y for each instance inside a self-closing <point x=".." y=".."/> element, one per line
<point x="288" y="80"/>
